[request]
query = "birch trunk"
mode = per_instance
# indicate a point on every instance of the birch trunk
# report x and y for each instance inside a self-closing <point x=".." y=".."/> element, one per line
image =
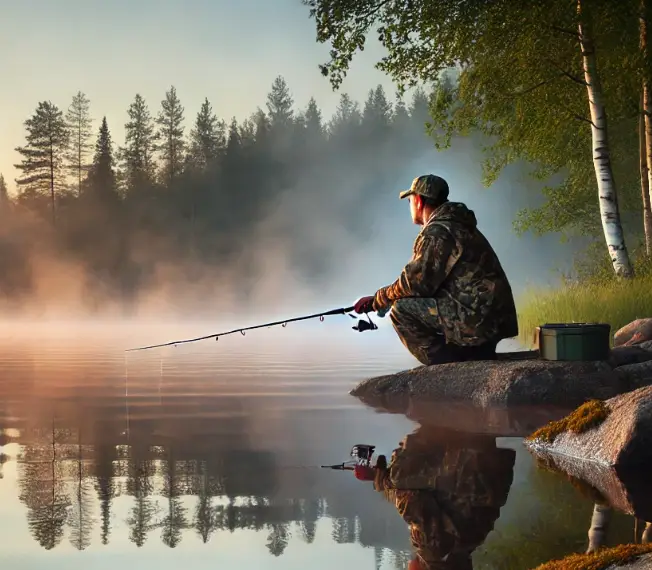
<point x="647" y="115"/>
<point x="599" y="525"/>
<point x="645" y="146"/>
<point x="608" y="199"/>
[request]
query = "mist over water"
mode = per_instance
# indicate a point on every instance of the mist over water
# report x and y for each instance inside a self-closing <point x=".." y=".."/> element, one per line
<point x="336" y="231"/>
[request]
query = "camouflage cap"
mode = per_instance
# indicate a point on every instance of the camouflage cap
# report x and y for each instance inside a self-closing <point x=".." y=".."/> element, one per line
<point x="428" y="185"/>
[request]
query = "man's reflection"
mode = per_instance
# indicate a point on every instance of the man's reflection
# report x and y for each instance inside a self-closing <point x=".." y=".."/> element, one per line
<point x="449" y="489"/>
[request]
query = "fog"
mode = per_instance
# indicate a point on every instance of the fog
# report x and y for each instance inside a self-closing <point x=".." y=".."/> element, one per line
<point x="297" y="214"/>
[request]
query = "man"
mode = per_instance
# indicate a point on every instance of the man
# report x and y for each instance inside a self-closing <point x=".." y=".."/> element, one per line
<point x="452" y="301"/>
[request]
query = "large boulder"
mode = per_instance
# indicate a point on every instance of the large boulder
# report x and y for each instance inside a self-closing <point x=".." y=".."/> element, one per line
<point x="635" y="332"/>
<point x="616" y="432"/>
<point x="498" y="383"/>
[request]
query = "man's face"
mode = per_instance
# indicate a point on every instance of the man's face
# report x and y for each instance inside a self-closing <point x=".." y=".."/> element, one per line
<point x="416" y="209"/>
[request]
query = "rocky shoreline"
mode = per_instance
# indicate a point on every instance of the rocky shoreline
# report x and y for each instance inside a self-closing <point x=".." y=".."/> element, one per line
<point x="519" y="382"/>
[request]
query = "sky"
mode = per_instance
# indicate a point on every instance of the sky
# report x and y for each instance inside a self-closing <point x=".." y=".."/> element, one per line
<point x="229" y="51"/>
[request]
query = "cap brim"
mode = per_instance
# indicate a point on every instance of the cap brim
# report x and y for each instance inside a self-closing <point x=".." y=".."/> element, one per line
<point x="405" y="194"/>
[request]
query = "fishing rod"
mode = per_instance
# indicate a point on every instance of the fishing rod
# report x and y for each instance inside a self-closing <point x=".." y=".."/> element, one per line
<point x="360" y="327"/>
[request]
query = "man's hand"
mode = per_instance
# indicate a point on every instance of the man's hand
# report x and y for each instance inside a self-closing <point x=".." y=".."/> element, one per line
<point x="364" y="305"/>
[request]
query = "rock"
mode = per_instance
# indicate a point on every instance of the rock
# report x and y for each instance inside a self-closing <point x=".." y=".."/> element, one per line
<point x="622" y="440"/>
<point x="643" y="562"/>
<point x="621" y="557"/>
<point x="464" y="417"/>
<point x="624" y="355"/>
<point x="645" y="345"/>
<point x="497" y="383"/>
<point x="635" y="375"/>
<point x="637" y="331"/>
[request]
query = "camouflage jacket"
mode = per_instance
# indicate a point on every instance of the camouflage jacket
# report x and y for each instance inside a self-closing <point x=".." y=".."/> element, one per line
<point x="453" y="263"/>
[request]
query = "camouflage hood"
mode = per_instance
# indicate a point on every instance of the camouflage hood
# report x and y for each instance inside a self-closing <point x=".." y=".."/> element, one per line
<point x="454" y="212"/>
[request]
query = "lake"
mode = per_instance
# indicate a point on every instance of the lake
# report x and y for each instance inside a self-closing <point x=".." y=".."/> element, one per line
<point x="208" y="455"/>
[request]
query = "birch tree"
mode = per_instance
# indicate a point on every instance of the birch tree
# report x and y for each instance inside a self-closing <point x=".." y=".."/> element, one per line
<point x="79" y="123"/>
<point x="42" y="165"/>
<point x="519" y="82"/>
<point x="607" y="192"/>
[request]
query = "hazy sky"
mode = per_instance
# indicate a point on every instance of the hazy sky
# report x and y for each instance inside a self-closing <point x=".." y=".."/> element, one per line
<point x="229" y="51"/>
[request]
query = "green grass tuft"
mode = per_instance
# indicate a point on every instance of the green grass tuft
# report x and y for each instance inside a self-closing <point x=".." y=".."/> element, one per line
<point x="599" y="299"/>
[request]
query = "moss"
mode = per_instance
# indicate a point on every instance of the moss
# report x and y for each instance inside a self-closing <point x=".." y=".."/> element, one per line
<point x="599" y="560"/>
<point x="589" y="415"/>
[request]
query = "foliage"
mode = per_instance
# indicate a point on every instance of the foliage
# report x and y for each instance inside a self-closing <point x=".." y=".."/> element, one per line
<point x="513" y="72"/>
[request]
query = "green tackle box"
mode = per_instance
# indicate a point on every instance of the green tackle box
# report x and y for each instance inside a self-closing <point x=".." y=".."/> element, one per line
<point x="574" y="341"/>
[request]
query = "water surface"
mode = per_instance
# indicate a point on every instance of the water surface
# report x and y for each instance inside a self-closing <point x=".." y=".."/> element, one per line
<point x="208" y="455"/>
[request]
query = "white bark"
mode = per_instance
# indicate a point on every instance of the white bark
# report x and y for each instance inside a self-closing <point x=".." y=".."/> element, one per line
<point x="599" y="526"/>
<point x="609" y="212"/>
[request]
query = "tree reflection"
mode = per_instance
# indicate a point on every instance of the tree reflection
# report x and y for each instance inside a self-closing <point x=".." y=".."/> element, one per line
<point x="42" y="488"/>
<point x="71" y="472"/>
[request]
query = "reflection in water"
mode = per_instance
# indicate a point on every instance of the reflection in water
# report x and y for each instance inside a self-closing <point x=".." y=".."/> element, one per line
<point x="628" y="493"/>
<point x="163" y="456"/>
<point x="449" y="489"/>
<point x="213" y="458"/>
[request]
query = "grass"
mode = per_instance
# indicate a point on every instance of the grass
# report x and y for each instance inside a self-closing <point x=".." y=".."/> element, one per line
<point x="599" y="560"/>
<point x="589" y="415"/>
<point x="601" y="299"/>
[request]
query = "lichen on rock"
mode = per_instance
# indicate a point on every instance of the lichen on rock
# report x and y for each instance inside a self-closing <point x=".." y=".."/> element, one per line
<point x="600" y="560"/>
<point x="589" y="415"/>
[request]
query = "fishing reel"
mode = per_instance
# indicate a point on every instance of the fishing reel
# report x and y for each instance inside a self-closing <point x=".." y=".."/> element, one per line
<point x="361" y="453"/>
<point x="363" y="325"/>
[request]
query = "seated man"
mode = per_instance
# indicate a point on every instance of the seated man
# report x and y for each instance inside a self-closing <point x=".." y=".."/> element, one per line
<point x="452" y="301"/>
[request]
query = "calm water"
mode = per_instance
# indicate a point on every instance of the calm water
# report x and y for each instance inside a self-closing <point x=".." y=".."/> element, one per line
<point x="208" y="456"/>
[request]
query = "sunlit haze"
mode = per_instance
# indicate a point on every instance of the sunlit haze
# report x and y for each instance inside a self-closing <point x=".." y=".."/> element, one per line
<point x="231" y="53"/>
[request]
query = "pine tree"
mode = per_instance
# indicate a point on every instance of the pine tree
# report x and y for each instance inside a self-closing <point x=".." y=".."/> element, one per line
<point x="79" y="122"/>
<point x="206" y="138"/>
<point x="419" y="111"/>
<point x="137" y="154"/>
<point x="102" y="177"/>
<point x="233" y="142"/>
<point x="262" y="125"/>
<point x="43" y="156"/>
<point x="170" y="136"/>
<point x="346" y="117"/>
<point x="313" y="118"/>
<point x="279" y="105"/>
<point x="4" y="194"/>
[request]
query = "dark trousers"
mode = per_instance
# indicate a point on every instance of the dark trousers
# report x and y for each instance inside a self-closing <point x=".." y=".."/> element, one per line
<point x="417" y="325"/>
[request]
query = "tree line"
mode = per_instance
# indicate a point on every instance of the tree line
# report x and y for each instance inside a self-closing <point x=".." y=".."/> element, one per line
<point x="563" y="86"/>
<point x="188" y="194"/>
